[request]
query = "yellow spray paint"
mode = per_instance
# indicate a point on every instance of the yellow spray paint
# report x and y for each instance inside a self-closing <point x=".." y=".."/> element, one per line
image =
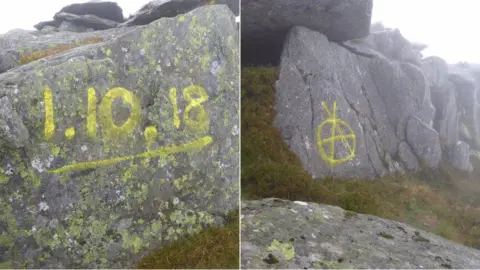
<point x="92" y="113"/>
<point x="49" y="130"/>
<point x="336" y="134"/>
<point x="199" y="123"/>
<point x="162" y="152"/>
<point x="202" y="123"/>
<point x="173" y="99"/>
<point x="110" y="129"/>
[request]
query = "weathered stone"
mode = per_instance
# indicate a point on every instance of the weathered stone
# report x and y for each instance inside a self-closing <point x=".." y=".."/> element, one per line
<point x="436" y="71"/>
<point x="279" y="234"/>
<point x="394" y="46"/>
<point x="158" y="9"/>
<point x="408" y="157"/>
<point x="12" y="129"/>
<point x="103" y="181"/>
<point x="106" y="10"/>
<point x="87" y="21"/>
<point x="460" y="156"/>
<point x="53" y="23"/>
<point x="424" y="141"/>
<point x="67" y="26"/>
<point x="265" y="24"/>
<point x="446" y="120"/>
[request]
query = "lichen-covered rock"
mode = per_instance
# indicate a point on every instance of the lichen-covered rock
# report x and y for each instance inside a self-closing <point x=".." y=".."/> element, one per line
<point x="266" y="23"/>
<point x="156" y="9"/>
<point x="342" y="112"/>
<point x="279" y="234"/>
<point x="132" y="143"/>
<point x="424" y="141"/>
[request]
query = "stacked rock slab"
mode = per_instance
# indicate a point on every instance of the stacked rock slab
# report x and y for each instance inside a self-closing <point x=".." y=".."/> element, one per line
<point x="111" y="150"/>
<point x="84" y="17"/>
<point x="265" y="25"/>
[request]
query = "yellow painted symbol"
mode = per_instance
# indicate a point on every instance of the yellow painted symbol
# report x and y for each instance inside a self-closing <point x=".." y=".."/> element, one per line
<point x="336" y="134"/>
<point x="150" y="134"/>
<point x="173" y="99"/>
<point x="49" y="130"/>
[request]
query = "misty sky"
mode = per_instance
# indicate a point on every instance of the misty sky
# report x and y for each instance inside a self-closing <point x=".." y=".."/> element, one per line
<point x="447" y="26"/>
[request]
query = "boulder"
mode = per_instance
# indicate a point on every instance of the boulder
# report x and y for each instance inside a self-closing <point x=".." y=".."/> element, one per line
<point x="460" y="157"/>
<point x="265" y="24"/>
<point x="374" y="98"/>
<point x="407" y="156"/>
<point x="111" y="150"/>
<point x="436" y="71"/>
<point x="158" y="9"/>
<point x="87" y="21"/>
<point x="106" y="10"/>
<point x="424" y="142"/>
<point x="446" y="119"/>
<point x="279" y="234"/>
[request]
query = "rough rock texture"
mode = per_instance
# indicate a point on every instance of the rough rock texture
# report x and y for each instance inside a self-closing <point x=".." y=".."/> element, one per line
<point x="88" y="20"/>
<point x="374" y="98"/>
<point x="424" y="141"/>
<point x="460" y="158"/>
<point x="170" y="8"/>
<point x="265" y="25"/>
<point x="112" y="149"/>
<point x="15" y="45"/>
<point x="280" y="234"/>
<point x="107" y="10"/>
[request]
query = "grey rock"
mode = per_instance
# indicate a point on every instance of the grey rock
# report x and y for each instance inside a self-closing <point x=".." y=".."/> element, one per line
<point x="436" y="71"/>
<point x="460" y="156"/>
<point x="87" y="21"/>
<point x="106" y="197"/>
<point x="52" y="23"/>
<point x="464" y="133"/>
<point x="106" y="10"/>
<point x="158" y="9"/>
<point x="407" y="156"/>
<point x="12" y="129"/>
<point x="446" y="119"/>
<point x="374" y="96"/>
<point x="48" y="29"/>
<point x="67" y="26"/>
<point x="467" y="107"/>
<point x="266" y="23"/>
<point x="424" y="142"/>
<point x="328" y="237"/>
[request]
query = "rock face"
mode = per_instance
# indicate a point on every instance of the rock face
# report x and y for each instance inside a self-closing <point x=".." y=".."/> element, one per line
<point x="328" y="237"/>
<point x="349" y="111"/>
<point x="107" y="10"/>
<point x="171" y="8"/>
<point x="115" y="148"/>
<point x="265" y="25"/>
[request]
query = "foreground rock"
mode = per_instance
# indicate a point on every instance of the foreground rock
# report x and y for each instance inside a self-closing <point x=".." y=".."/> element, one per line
<point x="281" y="234"/>
<point x="112" y="149"/>
<point x="170" y="8"/>
<point x="345" y="114"/>
<point x="265" y="24"/>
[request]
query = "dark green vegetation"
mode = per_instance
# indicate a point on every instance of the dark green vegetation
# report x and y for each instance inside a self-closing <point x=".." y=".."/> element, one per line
<point x="213" y="248"/>
<point x="443" y="201"/>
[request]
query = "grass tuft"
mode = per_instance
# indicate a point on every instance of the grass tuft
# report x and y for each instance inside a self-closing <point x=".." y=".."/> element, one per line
<point x="27" y="58"/>
<point x="214" y="248"/>
<point x="441" y="201"/>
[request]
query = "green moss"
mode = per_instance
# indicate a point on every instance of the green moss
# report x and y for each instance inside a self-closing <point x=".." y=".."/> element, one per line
<point x="286" y="249"/>
<point x="212" y="249"/>
<point x="386" y="235"/>
<point x="349" y="214"/>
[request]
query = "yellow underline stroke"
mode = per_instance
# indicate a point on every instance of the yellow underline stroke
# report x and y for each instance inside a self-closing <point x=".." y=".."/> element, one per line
<point x="162" y="152"/>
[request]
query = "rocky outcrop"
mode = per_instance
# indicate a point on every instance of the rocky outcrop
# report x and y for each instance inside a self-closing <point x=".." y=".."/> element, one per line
<point x="264" y="26"/>
<point x="112" y="149"/>
<point x="171" y="8"/>
<point x="325" y="92"/>
<point x="279" y="234"/>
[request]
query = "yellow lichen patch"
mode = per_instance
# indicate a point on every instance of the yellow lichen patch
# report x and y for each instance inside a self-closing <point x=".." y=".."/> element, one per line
<point x="215" y="248"/>
<point x="25" y="59"/>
